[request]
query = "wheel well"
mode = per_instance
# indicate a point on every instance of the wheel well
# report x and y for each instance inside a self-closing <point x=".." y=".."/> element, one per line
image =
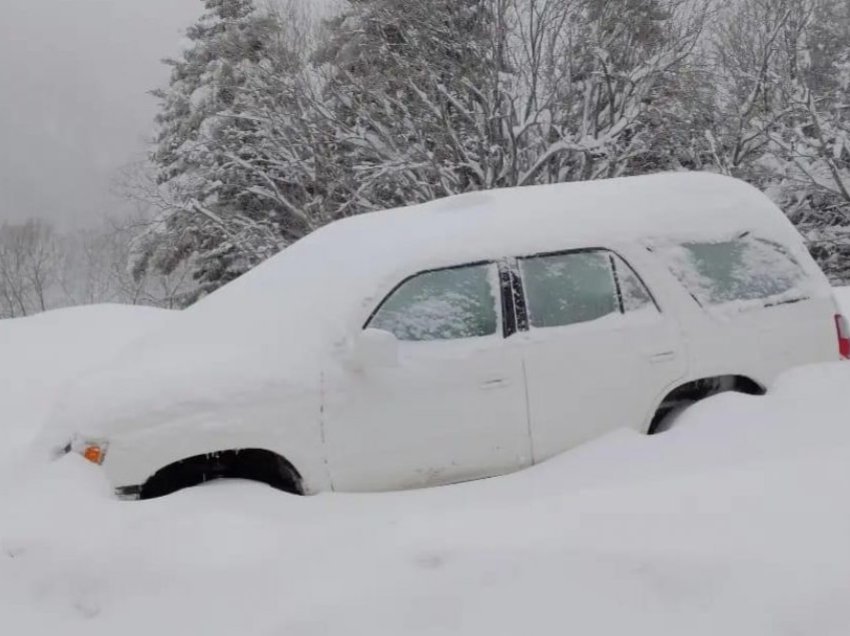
<point x="250" y="463"/>
<point x="696" y="390"/>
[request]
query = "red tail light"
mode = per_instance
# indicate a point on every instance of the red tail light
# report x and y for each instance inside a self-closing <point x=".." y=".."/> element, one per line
<point x="843" y="331"/>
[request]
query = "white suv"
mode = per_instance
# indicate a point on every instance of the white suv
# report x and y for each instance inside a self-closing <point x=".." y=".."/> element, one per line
<point x="460" y="339"/>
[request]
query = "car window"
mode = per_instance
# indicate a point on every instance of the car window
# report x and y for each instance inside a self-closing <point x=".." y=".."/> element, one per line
<point x="445" y="304"/>
<point x="635" y="295"/>
<point x="570" y="288"/>
<point x="743" y="269"/>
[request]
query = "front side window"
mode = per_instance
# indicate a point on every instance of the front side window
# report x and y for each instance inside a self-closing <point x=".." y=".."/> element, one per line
<point x="743" y="269"/>
<point x="444" y="304"/>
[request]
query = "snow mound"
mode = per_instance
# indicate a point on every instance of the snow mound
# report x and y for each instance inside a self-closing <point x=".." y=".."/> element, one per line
<point x="40" y="354"/>
<point x="734" y="522"/>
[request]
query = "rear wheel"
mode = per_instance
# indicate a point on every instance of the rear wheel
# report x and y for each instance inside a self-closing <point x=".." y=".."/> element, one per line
<point x="688" y="394"/>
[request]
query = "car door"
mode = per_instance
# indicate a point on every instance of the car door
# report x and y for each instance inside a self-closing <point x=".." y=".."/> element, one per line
<point x="598" y="350"/>
<point x="452" y="409"/>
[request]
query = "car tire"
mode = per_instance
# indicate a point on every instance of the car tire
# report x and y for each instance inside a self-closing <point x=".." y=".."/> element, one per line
<point x="671" y="417"/>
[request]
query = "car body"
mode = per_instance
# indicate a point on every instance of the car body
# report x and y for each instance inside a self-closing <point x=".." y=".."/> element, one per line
<point x="461" y="339"/>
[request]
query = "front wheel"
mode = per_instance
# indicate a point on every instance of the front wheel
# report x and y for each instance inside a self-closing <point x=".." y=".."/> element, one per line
<point x="251" y="464"/>
<point x="669" y="419"/>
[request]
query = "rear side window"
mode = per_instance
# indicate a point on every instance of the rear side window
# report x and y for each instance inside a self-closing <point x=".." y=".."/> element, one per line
<point x="743" y="269"/>
<point x="444" y="304"/>
<point x="577" y="287"/>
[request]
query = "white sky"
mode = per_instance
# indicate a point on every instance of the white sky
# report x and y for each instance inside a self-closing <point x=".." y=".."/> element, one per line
<point x="74" y="76"/>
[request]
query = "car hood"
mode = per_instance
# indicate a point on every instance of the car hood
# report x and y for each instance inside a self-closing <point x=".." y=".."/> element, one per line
<point x="262" y="337"/>
<point x="192" y="367"/>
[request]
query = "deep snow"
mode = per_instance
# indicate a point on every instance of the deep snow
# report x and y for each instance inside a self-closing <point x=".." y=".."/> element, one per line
<point x="735" y="522"/>
<point x="39" y="354"/>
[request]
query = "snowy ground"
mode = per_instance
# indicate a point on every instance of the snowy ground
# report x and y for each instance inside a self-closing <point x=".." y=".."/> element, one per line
<point x="737" y="522"/>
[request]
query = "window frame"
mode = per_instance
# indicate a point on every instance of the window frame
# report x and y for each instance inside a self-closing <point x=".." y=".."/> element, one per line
<point x="520" y="292"/>
<point x="505" y="304"/>
<point x="513" y="301"/>
<point x="614" y="254"/>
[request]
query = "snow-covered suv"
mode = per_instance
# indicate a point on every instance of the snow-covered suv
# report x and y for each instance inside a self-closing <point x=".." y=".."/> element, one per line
<point x="464" y="338"/>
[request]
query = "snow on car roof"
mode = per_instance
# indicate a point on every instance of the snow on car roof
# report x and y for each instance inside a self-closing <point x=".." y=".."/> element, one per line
<point x="516" y="221"/>
<point x="357" y="254"/>
<point x="540" y="217"/>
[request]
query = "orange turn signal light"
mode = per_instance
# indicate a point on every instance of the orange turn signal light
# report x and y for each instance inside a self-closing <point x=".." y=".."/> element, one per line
<point x="94" y="454"/>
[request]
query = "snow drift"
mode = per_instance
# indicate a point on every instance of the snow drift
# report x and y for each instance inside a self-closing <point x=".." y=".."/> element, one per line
<point x="734" y="522"/>
<point x="39" y="355"/>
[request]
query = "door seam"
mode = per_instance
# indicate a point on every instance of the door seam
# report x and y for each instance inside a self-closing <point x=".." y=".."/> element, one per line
<point x="322" y="432"/>
<point x="528" y="414"/>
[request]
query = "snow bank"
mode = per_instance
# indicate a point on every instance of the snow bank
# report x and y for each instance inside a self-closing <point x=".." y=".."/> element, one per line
<point x="39" y="354"/>
<point x="734" y="522"/>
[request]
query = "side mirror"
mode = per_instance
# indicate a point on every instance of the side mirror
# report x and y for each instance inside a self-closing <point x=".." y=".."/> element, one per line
<point x="375" y="349"/>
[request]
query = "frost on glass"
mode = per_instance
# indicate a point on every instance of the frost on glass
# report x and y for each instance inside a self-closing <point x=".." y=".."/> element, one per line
<point x="442" y="305"/>
<point x="635" y="294"/>
<point x="567" y="289"/>
<point x="743" y="269"/>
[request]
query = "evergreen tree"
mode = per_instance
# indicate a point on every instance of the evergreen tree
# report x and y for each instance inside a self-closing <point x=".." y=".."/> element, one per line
<point x="213" y="216"/>
<point x="263" y="137"/>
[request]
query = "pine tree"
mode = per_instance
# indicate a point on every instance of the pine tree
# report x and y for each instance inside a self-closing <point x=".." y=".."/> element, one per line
<point x="213" y="217"/>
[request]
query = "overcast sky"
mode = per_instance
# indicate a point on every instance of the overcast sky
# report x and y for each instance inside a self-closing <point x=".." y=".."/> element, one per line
<point x="74" y="76"/>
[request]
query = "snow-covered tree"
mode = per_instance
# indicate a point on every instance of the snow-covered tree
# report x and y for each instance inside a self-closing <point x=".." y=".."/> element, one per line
<point x="783" y="123"/>
<point x="434" y="97"/>
<point x="270" y="129"/>
<point x="816" y="139"/>
<point x="211" y="214"/>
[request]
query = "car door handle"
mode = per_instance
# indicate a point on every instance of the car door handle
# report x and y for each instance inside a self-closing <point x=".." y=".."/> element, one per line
<point x="663" y="356"/>
<point x="494" y="383"/>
